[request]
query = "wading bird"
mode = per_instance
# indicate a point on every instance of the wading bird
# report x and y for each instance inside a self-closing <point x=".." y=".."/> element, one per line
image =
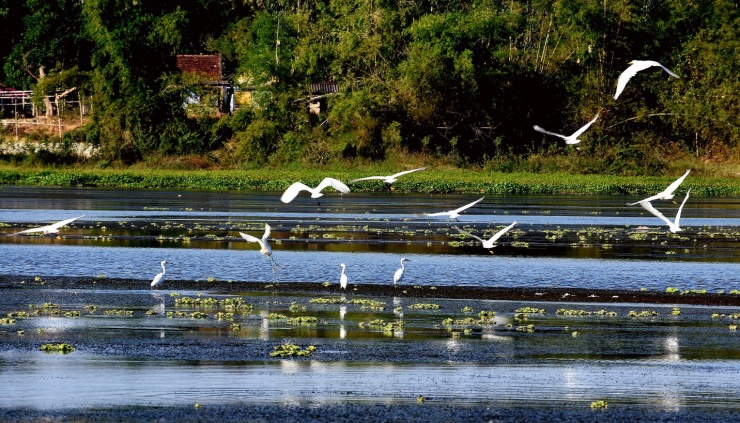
<point x="491" y="242"/>
<point x="667" y="193"/>
<point x="388" y="179"/>
<point x="637" y="66"/>
<point x="297" y="187"/>
<point x="571" y="139"/>
<point x="159" y="279"/>
<point x="454" y="214"/>
<point x="50" y="229"/>
<point x="343" y="278"/>
<point x="264" y="247"/>
<point x="673" y="226"/>
<point x="398" y="276"/>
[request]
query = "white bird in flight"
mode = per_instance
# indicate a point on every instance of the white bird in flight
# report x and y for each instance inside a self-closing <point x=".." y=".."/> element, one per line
<point x="398" y="276"/>
<point x="297" y="187"/>
<point x="343" y="278"/>
<point x="491" y="242"/>
<point x="388" y="179"/>
<point x="673" y="226"/>
<point x="667" y="193"/>
<point x="50" y="229"/>
<point x="160" y="276"/>
<point x="637" y="66"/>
<point x="571" y="139"/>
<point x="264" y="246"/>
<point x="454" y="214"/>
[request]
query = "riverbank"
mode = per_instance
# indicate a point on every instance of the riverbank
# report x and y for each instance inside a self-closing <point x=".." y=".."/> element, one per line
<point x="428" y="181"/>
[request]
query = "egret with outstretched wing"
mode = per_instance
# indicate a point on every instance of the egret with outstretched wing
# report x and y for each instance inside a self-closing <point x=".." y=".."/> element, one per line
<point x="570" y="139"/>
<point x="637" y="66"/>
<point x="388" y="179"/>
<point x="297" y="187"/>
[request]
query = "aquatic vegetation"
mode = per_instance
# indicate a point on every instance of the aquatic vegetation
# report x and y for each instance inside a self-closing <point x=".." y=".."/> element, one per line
<point x="486" y="317"/>
<point x="276" y="316"/>
<point x="388" y="327"/>
<point x="528" y="328"/>
<point x="672" y="290"/>
<point x="326" y="284"/>
<point x="599" y="404"/>
<point x="296" y="308"/>
<point x="224" y="315"/>
<point x="19" y="314"/>
<point x="733" y="328"/>
<point x="694" y="291"/>
<point x="369" y="304"/>
<point x="211" y="279"/>
<point x="236" y="326"/>
<point x="574" y="334"/>
<point x="530" y="310"/>
<point x="327" y="300"/>
<point x="730" y="316"/>
<point x="644" y="313"/>
<point x="122" y="313"/>
<point x="73" y="313"/>
<point x="292" y="350"/>
<point x="573" y="312"/>
<point x="60" y="348"/>
<point x="424" y="306"/>
<point x="151" y="312"/>
<point x="101" y="276"/>
<point x="197" y="301"/>
<point x="303" y="320"/>
<point x="735" y="292"/>
<point x="676" y="311"/>
<point x="466" y="309"/>
<point x="7" y="321"/>
<point x="91" y="308"/>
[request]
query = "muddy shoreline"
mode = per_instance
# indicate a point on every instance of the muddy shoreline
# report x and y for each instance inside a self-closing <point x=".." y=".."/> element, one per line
<point x="574" y="295"/>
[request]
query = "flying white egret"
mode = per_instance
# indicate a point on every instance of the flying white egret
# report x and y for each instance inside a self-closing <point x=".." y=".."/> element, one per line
<point x="398" y="276"/>
<point x="160" y="276"/>
<point x="673" y="226"/>
<point x="667" y="193"/>
<point x="388" y="179"/>
<point x="491" y="242"/>
<point x="264" y="247"/>
<point x="50" y="229"/>
<point x="637" y="66"/>
<point x="343" y="278"/>
<point x="297" y="187"/>
<point x="571" y="139"/>
<point x="454" y="214"/>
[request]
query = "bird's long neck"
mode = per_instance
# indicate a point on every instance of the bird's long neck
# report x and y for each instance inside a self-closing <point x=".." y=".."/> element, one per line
<point x="163" y="271"/>
<point x="403" y="266"/>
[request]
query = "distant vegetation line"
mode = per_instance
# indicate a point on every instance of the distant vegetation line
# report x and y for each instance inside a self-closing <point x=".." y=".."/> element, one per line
<point x="429" y="181"/>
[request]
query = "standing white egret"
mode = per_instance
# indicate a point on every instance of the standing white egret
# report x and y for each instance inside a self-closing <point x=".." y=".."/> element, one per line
<point x="343" y="278"/>
<point x="264" y="247"/>
<point x="297" y="187"/>
<point x="673" y="226"/>
<point x="491" y="242"/>
<point x="571" y="139"/>
<point x="454" y="214"/>
<point x="388" y="179"/>
<point x="159" y="279"/>
<point x="398" y="276"/>
<point x="667" y="193"/>
<point x="50" y="229"/>
<point x="637" y="66"/>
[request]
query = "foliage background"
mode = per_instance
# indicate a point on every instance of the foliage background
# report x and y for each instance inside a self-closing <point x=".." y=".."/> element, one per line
<point x="455" y="83"/>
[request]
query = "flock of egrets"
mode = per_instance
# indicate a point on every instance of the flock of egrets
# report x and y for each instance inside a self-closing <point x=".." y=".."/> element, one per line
<point x="316" y="192"/>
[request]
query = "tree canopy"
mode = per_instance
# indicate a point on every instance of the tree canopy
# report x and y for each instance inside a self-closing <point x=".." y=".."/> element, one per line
<point x="463" y="79"/>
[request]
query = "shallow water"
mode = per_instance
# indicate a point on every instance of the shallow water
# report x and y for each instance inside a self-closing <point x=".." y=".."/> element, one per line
<point x="663" y="362"/>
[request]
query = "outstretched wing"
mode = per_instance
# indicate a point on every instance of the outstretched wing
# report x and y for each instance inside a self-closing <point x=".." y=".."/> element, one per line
<point x="627" y="74"/>
<point x="406" y="172"/>
<point x="678" y="214"/>
<point x="250" y="238"/>
<point x="266" y="235"/>
<point x="438" y="214"/>
<point x="467" y="206"/>
<point x="293" y="191"/>
<point x="367" y="179"/>
<point x="469" y="234"/>
<point x="32" y="230"/>
<point x="583" y="128"/>
<point x="334" y="183"/>
<point x="64" y="223"/>
<point x="544" y="131"/>
<point x="667" y="70"/>
<point x="498" y="234"/>
<point x="649" y="207"/>
<point x="672" y="187"/>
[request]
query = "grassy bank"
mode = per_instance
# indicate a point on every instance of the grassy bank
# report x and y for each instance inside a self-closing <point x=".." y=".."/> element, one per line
<point x="429" y="181"/>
